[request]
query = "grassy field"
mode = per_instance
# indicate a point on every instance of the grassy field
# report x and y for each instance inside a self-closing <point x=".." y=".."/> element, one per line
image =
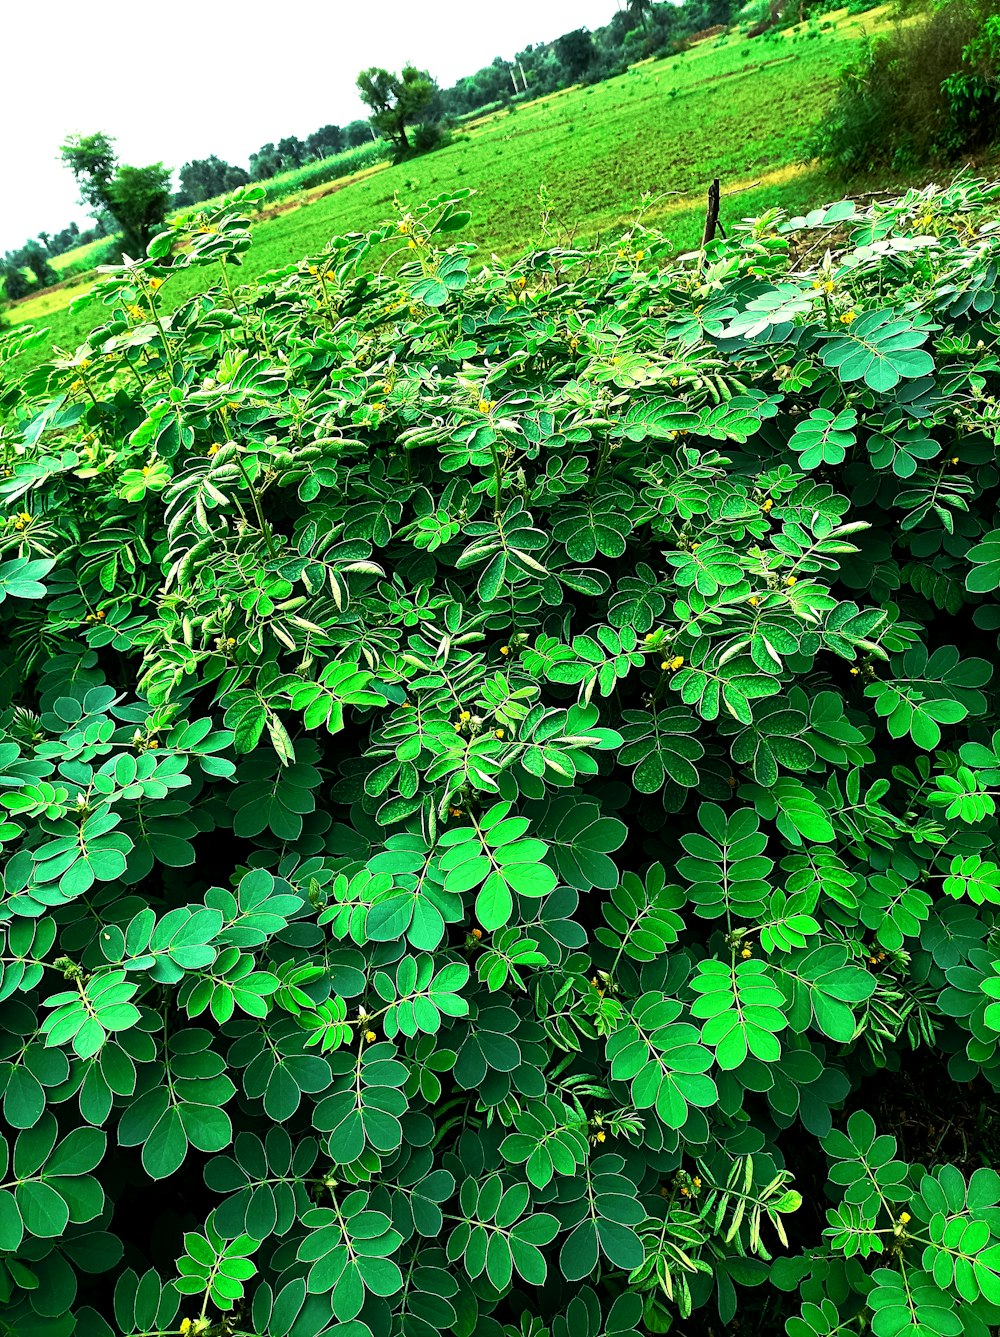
<point x="733" y="108"/>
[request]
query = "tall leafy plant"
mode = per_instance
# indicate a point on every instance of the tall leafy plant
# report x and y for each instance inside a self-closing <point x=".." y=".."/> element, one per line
<point x="493" y="762"/>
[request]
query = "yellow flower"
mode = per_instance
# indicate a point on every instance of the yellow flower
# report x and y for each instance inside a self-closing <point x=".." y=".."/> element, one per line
<point x="855" y="672"/>
<point x="847" y="317"/>
<point x="137" y="313"/>
<point x="22" y="520"/>
<point x="754" y="601"/>
<point x="792" y="580"/>
<point x="313" y="269"/>
<point x="213" y="450"/>
<point x="412" y="244"/>
<point x="665" y="665"/>
<point x="954" y="459"/>
<point x="186" y="1326"/>
<point x="522" y="283"/>
<point x="768" y="506"/>
<point x="697" y="1182"/>
<point x="904" y="1218"/>
<point x="145" y="471"/>
<point x="499" y="733"/>
<point x="828" y="286"/>
<point x="403" y="226"/>
<point x="677" y="662"/>
<point x="485" y="405"/>
<point x="601" y="1137"/>
<point x="746" y="954"/>
<point x="465" y="715"/>
<point x="477" y="933"/>
<point x="155" y="284"/>
<point x="640" y="255"/>
<point x="370" y="1036"/>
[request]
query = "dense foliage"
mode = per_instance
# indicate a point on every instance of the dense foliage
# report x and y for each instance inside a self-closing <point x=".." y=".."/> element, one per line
<point x="499" y="767"/>
<point x="925" y="93"/>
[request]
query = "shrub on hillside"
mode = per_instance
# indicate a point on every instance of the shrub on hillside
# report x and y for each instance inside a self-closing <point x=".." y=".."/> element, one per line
<point x="430" y="136"/>
<point x="922" y="94"/>
<point x="500" y="775"/>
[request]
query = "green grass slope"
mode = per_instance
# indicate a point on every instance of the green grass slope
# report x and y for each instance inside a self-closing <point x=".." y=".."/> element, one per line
<point x="737" y="109"/>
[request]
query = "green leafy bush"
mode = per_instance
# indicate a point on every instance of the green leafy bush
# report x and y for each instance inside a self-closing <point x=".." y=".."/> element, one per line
<point x="925" y="93"/>
<point x="499" y="779"/>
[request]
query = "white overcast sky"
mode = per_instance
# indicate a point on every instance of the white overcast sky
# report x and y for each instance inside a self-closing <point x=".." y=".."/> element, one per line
<point x="180" y="81"/>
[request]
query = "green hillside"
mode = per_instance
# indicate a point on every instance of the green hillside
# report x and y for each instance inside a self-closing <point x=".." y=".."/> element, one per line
<point x="735" y="108"/>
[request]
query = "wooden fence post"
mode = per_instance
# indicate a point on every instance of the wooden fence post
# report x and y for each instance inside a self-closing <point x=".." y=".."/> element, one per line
<point x="712" y="223"/>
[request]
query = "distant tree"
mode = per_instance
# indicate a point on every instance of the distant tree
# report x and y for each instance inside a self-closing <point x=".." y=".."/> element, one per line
<point x="641" y="10"/>
<point x="64" y="240"/>
<point x="203" y="179"/>
<point x="235" y="177"/>
<point x="701" y="14"/>
<point x="576" y="53"/>
<point x="292" y="152"/>
<point x="33" y="257"/>
<point x="16" y="283"/>
<point x="396" y="100"/>
<point x="26" y="270"/>
<point x="265" y="163"/>
<point x="137" y="198"/>
<point x="326" y="141"/>
<point x="668" y="20"/>
<point x="93" y="161"/>
<point x="357" y="133"/>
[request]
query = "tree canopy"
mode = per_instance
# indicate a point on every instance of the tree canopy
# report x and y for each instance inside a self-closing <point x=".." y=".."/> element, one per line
<point x="137" y="198"/>
<point x="396" y="100"/>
